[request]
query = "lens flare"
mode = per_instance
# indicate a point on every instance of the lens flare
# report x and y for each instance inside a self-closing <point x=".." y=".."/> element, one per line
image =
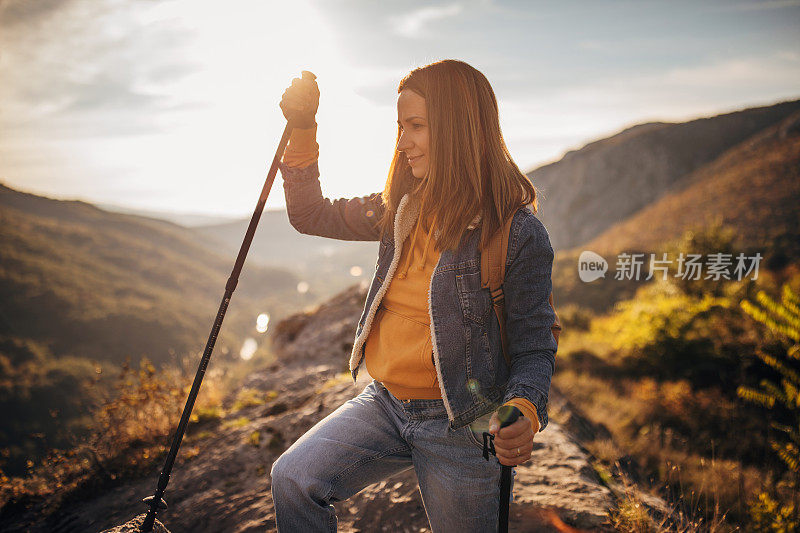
<point x="249" y="348"/>
<point x="262" y="322"/>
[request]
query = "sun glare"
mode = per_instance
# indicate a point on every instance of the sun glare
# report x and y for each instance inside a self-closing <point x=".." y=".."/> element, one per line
<point x="248" y="56"/>
<point x="215" y="82"/>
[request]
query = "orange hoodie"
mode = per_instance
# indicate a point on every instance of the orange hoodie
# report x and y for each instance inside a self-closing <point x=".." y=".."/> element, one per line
<point x="399" y="352"/>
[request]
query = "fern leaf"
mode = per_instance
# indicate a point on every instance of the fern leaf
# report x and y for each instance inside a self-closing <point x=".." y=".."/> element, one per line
<point x="789" y="454"/>
<point x="787" y="295"/>
<point x="772" y="390"/>
<point x="794" y="351"/>
<point x="755" y="396"/>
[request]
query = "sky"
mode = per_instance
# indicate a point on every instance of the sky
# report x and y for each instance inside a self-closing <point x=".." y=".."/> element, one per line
<point x="173" y="105"/>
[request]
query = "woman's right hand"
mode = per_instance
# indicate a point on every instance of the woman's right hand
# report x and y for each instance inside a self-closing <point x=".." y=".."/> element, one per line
<point x="301" y="100"/>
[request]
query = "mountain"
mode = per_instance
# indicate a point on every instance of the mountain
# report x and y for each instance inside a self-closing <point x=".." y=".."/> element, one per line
<point x="188" y="220"/>
<point x="327" y="265"/>
<point x="85" y="282"/>
<point x="82" y="289"/>
<point x="609" y="180"/>
<point x="753" y="187"/>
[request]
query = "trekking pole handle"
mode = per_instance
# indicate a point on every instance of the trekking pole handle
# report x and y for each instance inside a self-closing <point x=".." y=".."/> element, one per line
<point x="295" y="116"/>
<point x="508" y="414"/>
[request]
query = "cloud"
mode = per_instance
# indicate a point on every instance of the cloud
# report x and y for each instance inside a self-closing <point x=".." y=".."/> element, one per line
<point x="411" y="25"/>
<point x="81" y="66"/>
<point x="778" y="69"/>
<point x="540" y="121"/>
<point x="25" y="12"/>
<point x="758" y="6"/>
<point x="378" y="84"/>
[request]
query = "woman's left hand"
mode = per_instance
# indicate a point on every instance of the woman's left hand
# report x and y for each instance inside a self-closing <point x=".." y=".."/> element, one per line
<point x="513" y="444"/>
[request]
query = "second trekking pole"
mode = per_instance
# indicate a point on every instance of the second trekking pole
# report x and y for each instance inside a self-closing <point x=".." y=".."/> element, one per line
<point x="156" y="501"/>
<point x="507" y="414"/>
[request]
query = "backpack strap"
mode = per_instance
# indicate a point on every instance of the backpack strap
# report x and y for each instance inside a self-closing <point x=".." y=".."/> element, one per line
<point x="493" y="271"/>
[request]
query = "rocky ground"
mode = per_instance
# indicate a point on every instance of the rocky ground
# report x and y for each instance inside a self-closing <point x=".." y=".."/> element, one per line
<point x="221" y="479"/>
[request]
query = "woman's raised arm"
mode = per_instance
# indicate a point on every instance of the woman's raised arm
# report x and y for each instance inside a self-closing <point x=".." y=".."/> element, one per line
<point x="349" y="219"/>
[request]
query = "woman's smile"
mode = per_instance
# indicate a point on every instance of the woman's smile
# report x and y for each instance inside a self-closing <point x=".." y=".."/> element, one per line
<point x="412" y="122"/>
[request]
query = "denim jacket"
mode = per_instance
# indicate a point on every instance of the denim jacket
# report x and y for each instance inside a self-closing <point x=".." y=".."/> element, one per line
<point x="472" y="372"/>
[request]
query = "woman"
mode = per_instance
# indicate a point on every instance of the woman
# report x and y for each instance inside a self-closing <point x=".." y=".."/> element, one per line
<point x="427" y="335"/>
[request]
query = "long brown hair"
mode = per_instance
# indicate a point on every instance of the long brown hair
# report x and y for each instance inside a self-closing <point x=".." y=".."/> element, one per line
<point x="470" y="171"/>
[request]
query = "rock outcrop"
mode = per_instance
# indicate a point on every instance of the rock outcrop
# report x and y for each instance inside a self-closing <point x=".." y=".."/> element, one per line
<point x="134" y="525"/>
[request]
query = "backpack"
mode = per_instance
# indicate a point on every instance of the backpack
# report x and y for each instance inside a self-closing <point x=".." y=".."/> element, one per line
<point x="493" y="271"/>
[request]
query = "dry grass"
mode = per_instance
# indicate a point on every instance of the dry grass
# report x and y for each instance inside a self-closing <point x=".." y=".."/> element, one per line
<point x="684" y="477"/>
<point x="688" y="438"/>
<point x="130" y="435"/>
<point x="632" y="515"/>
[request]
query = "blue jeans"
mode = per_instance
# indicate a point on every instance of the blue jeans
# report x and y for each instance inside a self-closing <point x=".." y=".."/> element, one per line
<point x="375" y="435"/>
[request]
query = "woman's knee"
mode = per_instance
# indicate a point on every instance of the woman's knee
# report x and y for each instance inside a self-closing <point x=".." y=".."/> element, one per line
<point x="294" y="473"/>
<point x="279" y="469"/>
<point x="286" y="468"/>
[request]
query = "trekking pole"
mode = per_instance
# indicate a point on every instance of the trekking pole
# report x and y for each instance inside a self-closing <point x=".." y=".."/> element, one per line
<point x="156" y="501"/>
<point x="508" y="414"/>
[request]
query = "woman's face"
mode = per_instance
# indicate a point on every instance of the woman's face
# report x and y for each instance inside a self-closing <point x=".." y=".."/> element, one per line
<point x="412" y="118"/>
